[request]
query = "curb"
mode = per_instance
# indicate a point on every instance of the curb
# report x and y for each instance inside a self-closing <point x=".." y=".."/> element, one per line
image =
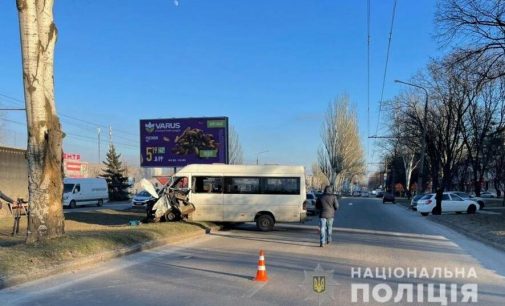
<point x="471" y="235"/>
<point x="6" y="282"/>
<point x="465" y="232"/>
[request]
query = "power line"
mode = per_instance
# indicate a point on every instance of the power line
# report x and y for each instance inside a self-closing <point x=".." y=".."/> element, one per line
<point x="386" y="66"/>
<point x="368" y="81"/>
<point x="76" y="135"/>
<point x="94" y="124"/>
<point x="385" y="71"/>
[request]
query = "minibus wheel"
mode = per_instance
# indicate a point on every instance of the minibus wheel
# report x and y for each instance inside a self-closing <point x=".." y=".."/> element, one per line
<point x="265" y="223"/>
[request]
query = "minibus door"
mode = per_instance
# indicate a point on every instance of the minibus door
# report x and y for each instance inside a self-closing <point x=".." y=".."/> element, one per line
<point x="207" y="196"/>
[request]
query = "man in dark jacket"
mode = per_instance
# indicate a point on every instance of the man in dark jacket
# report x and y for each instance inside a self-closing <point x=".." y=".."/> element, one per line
<point x="327" y="205"/>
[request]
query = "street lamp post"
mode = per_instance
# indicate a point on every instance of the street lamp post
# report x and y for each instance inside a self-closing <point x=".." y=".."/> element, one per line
<point x="423" y="140"/>
<point x="258" y="156"/>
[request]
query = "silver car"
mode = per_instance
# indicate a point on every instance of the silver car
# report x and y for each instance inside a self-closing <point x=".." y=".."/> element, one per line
<point x="311" y="204"/>
<point x="141" y="198"/>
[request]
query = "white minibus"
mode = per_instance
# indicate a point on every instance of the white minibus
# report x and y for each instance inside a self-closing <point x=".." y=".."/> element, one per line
<point x="245" y="193"/>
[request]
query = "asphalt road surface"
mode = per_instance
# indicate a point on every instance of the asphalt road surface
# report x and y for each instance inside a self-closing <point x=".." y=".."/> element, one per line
<point x="217" y="269"/>
<point x="119" y="205"/>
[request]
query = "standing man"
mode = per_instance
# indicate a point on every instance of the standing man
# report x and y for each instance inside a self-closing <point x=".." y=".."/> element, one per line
<point x="327" y="205"/>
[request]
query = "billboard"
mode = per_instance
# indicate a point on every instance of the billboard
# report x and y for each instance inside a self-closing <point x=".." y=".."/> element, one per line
<point x="73" y="166"/>
<point x="177" y="142"/>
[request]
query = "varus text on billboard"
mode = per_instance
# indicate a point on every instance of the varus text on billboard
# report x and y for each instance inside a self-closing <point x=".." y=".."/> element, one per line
<point x="177" y="142"/>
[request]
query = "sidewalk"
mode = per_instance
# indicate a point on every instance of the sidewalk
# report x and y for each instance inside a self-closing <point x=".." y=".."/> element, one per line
<point x="90" y="238"/>
<point x="487" y="226"/>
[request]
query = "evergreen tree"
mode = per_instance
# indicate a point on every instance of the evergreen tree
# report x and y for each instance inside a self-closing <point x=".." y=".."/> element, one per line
<point x="115" y="175"/>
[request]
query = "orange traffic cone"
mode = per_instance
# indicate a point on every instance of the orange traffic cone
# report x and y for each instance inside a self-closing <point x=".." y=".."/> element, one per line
<point x="261" y="274"/>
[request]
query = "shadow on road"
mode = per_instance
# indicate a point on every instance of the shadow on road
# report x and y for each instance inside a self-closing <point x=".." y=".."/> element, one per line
<point x="108" y="218"/>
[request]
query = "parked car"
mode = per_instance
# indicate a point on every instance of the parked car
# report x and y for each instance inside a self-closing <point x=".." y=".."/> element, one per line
<point x="311" y="203"/>
<point x="415" y="199"/>
<point x="356" y="193"/>
<point x="84" y="191"/>
<point x="141" y="199"/>
<point x="487" y="194"/>
<point x="388" y="197"/>
<point x="466" y="196"/>
<point x="365" y="194"/>
<point x="451" y="202"/>
<point x="378" y="192"/>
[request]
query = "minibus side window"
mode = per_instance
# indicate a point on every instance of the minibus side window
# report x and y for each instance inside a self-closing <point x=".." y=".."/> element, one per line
<point x="242" y="185"/>
<point x="207" y="184"/>
<point x="281" y="185"/>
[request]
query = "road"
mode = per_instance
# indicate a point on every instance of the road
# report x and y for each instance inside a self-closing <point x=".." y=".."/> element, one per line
<point x="217" y="269"/>
<point x="120" y="205"/>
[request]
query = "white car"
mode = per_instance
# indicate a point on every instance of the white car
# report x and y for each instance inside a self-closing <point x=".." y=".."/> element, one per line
<point x="487" y="194"/>
<point x="311" y="203"/>
<point x="466" y="196"/>
<point x="450" y="203"/>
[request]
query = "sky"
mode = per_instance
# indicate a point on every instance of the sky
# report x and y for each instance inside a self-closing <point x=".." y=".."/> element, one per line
<point x="271" y="66"/>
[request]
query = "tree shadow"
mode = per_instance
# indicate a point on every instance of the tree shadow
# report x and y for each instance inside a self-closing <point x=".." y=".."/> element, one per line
<point x="108" y="219"/>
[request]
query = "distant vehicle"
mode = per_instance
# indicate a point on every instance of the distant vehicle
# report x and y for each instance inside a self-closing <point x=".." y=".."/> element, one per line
<point x="84" y="191"/>
<point x="451" y="202"/>
<point x="141" y="199"/>
<point x="415" y="199"/>
<point x="245" y="193"/>
<point x="356" y="193"/>
<point x="311" y="203"/>
<point x="466" y="196"/>
<point x="487" y="194"/>
<point x="365" y="194"/>
<point x="388" y="197"/>
<point x="377" y="191"/>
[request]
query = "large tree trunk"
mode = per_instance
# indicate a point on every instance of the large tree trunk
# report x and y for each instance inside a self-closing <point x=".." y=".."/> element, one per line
<point x="44" y="153"/>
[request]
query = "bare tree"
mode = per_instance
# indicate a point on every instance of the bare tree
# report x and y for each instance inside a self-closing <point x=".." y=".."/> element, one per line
<point x="236" y="155"/>
<point x="406" y="146"/>
<point x="485" y="116"/>
<point x="477" y="27"/>
<point x="44" y="152"/>
<point x="319" y="179"/>
<point x="341" y="156"/>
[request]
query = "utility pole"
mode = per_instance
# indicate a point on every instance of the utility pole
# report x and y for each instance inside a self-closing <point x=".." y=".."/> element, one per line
<point x="420" y="188"/>
<point x="99" y="130"/>
<point x="110" y="135"/>
<point x="258" y="155"/>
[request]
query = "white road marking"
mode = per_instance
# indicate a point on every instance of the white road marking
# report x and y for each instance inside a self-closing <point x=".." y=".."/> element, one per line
<point x="254" y="290"/>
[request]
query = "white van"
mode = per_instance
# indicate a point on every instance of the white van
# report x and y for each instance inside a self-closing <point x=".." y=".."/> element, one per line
<point x="245" y="193"/>
<point x="83" y="191"/>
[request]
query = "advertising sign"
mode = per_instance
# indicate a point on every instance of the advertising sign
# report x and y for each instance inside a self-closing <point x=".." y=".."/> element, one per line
<point x="72" y="165"/>
<point x="178" y="142"/>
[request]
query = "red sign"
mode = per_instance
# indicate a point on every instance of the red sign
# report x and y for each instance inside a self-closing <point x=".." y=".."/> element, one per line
<point x="71" y="156"/>
<point x="72" y="164"/>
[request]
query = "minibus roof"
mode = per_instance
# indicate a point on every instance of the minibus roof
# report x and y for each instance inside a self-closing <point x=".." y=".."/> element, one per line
<point x="242" y="169"/>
